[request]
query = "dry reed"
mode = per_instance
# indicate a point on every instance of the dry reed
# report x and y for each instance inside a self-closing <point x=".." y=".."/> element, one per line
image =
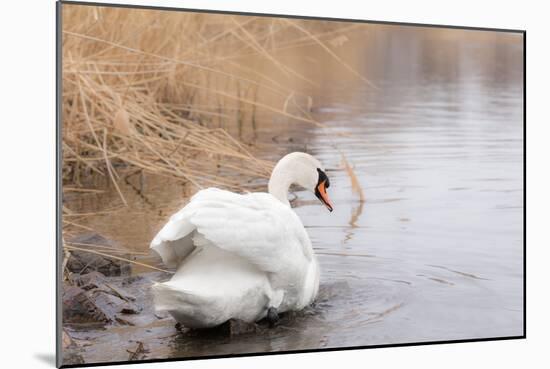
<point x="115" y="257"/>
<point x="170" y="94"/>
<point x="157" y="91"/>
<point x="355" y="185"/>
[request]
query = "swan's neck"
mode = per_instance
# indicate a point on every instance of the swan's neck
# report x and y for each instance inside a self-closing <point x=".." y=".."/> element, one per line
<point x="279" y="183"/>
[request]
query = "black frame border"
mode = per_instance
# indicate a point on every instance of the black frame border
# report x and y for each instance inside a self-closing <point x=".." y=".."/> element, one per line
<point x="59" y="193"/>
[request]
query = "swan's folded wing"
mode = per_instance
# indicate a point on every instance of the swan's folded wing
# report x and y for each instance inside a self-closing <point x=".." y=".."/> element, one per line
<point x="174" y="241"/>
<point x="255" y="226"/>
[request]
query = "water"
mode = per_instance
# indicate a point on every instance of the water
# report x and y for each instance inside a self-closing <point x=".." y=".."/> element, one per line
<point x="435" y="251"/>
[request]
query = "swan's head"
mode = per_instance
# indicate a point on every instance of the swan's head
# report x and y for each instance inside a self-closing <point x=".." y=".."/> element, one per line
<point x="303" y="170"/>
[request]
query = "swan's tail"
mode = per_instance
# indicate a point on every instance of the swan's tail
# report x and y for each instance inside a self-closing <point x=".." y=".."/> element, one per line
<point x="186" y="307"/>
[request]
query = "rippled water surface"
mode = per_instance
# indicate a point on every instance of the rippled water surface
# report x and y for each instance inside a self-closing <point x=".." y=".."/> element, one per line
<point x="435" y="250"/>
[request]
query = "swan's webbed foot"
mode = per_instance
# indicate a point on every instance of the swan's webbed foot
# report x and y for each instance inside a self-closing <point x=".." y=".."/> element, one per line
<point x="272" y="316"/>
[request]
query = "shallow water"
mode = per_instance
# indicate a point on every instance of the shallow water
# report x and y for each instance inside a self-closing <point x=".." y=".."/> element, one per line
<point x="435" y="251"/>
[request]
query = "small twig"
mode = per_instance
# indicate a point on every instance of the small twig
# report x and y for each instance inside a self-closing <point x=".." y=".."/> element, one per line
<point x="78" y="225"/>
<point x="110" y="169"/>
<point x="117" y="258"/>
<point x="109" y="248"/>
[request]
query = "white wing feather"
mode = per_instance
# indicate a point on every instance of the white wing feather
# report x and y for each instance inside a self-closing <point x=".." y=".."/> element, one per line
<point x="255" y="226"/>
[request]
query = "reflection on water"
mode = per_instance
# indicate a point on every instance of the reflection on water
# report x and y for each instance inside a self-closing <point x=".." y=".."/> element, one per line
<point x="435" y="250"/>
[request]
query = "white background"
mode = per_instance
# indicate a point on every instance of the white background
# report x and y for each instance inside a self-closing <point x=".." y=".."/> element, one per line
<point x="27" y="207"/>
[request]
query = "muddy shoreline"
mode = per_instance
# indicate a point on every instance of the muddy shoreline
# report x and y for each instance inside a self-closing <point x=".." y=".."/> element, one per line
<point x="108" y="312"/>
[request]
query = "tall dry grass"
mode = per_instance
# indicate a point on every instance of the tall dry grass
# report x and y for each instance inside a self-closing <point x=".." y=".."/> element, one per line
<point x="170" y="93"/>
<point x="160" y="91"/>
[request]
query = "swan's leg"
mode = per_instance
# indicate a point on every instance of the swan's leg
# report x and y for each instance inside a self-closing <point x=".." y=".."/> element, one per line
<point x="272" y="316"/>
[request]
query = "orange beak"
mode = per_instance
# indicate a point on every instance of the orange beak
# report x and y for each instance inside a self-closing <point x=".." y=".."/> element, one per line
<point x="323" y="196"/>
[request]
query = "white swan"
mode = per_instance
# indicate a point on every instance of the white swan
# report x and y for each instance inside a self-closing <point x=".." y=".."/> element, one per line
<point x="241" y="256"/>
